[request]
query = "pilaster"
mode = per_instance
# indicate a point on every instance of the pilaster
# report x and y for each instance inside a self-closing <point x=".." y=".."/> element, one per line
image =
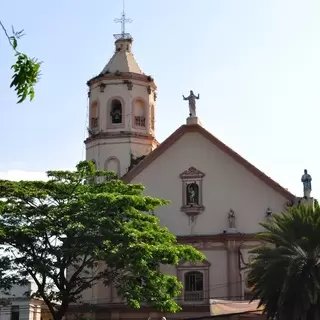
<point x="234" y="284"/>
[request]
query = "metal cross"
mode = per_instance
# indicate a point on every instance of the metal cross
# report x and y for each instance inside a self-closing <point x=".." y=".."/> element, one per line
<point x="123" y="20"/>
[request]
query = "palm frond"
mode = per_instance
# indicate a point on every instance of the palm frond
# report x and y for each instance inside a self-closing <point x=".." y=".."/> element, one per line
<point x="285" y="273"/>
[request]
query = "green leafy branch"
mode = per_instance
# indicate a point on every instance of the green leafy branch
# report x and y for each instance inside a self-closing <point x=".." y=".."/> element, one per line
<point x="26" y="69"/>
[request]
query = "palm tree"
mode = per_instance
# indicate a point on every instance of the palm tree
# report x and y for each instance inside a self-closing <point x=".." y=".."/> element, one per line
<point x="285" y="274"/>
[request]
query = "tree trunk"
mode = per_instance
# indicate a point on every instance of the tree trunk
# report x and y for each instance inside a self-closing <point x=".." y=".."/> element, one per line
<point x="60" y="313"/>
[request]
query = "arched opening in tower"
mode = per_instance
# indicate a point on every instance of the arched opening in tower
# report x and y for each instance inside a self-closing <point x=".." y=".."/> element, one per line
<point x="139" y="113"/>
<point x="116" y="111"/>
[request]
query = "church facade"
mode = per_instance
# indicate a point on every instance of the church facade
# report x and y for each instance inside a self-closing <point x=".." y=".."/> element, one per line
<point x="217" y="197"/>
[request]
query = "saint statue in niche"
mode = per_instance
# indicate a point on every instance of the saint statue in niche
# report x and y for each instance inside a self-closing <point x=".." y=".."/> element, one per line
<point x="192" y="191"/>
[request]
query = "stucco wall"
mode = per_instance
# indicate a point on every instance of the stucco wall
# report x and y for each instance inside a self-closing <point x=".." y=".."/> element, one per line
<point x="226" y="185"/>
<point x="117" y="89"/>
<point x="120" y="148"/>
<point x="27" y="310"/>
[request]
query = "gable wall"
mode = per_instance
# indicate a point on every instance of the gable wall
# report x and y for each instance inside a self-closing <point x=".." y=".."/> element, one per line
<point x="227" y="185"/>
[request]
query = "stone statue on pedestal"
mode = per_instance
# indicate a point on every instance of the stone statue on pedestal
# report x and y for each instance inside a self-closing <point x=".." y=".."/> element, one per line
<point x="192" y="103"/>
<point x="232" y="219"/>
<point x="306" y="181"/>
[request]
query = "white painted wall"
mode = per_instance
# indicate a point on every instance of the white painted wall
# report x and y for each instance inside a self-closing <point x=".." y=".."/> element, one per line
<point x="226" y="185"/>
<point x="18" y="300"/>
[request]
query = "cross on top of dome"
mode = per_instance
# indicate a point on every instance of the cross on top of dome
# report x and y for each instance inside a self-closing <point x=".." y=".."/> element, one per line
<point x="123" y="20"/>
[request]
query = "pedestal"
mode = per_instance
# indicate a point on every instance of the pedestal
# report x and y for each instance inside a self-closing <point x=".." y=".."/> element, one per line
<point x="231" y="230"/>
<point x="309" y="202"/>
<point x="193" y="121"/>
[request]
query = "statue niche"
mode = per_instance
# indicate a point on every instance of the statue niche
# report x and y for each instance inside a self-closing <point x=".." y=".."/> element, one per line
<point x="116" y="111"/>
<point x="192" y="194"/>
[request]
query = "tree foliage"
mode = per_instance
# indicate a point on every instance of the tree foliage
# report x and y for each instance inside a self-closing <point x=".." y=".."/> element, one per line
<point x="7" y="280"/>
<point x="67" y="235"/>
<point x="26" y="70"/>
<point x="285" y="275"/>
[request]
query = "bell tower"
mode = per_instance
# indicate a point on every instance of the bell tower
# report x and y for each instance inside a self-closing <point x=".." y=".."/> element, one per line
<point x="121" y="110"/>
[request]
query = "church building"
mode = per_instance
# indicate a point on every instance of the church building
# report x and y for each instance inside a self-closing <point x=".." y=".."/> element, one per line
<point x="217" y="197"/>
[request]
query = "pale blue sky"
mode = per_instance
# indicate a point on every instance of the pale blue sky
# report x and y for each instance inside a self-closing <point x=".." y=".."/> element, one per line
<point x="255" y="63"/>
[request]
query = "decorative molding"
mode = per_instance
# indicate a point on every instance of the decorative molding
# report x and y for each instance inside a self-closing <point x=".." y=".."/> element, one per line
<point x="208" y="245"/>
<point x="121" y="134"/>
<point x="192" y="193"/>
<point x="192" y="173"/>
<point x="102" y="86"/>
<point x="250" y="244"/>
<point x="129" y="84"/>
<point x="218" y="240"/>
<point x="192" y="264"/>
<point x="184" y="267"/>
<point x="245" y="255"/>
<point x="123" y="76"/>
<point x="151" y="117"/>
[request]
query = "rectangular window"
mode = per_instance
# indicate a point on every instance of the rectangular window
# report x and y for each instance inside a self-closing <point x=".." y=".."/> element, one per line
<point x="193" y="286"/>
<point x="15" y="313"/>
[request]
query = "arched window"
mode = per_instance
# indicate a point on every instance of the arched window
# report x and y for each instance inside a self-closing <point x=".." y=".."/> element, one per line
<point x="94" y="115"/>
<point x="139" y="113"/>
<point x="112" y="164"/>
<point x="116" y="111"/>
<point x="193" y="286"/>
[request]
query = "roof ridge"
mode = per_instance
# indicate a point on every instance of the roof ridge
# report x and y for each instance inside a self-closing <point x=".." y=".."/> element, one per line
<point x="176" y="135"/>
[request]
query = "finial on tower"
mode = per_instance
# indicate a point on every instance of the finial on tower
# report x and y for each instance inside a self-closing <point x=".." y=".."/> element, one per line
<point x="123" y="20"/>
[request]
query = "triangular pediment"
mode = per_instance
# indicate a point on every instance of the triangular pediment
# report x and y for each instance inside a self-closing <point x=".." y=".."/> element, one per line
<point x="192" y="172"/>
<point x="180" y="132"/>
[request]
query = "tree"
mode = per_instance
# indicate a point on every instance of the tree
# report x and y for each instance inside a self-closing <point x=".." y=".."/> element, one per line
<point x="285" y="274"/>
<point x="26" y="70"/>
<point x="7" y="280"/>
<point x="68" y="234"/>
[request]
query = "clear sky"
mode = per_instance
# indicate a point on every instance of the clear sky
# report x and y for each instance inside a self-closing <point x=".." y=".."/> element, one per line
<point x="255" y="63"/>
